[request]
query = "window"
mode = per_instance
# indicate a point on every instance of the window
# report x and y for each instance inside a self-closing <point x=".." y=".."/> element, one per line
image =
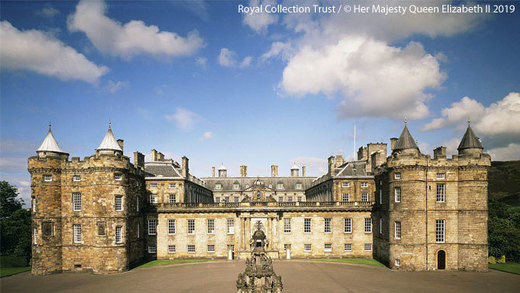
<point x="347" y="247"/>
<point x="218" y="186"/>
<point x="298" y="186"/>
<point x="137" y="203"/>
<point x="397" y="262"/>
<point x="118" y="177"/>
<point x="346" y="197"/>
<point x="368" y="246"/>
<point x="47" y="178"/>
<point x="76" y="178"/>
<point x="35" y="235"/>
<point x="286" y="247"/>
<point x="307" y="247"/>
<point x="34" y="205"/>
<point x="172" y="185"/>
<point x="77" y="233"/>
<point x="368" y="225"/>
<point x="173" y="198"/>
<point x="119" y="203"/>
<point x="236" y="186"/>
<point x="328" y="223"/>
<point x="172" y="249"/>
<point x="217" y="199"/>
<point x="153" y="198"/>
<point x="345" y="184"/>
<point x="119" y="236"/>
<point x="191" y="226"/>
<point x="364" y="197"/>
<point x="231" y="226"/>
<point x="289" y="198"/>
<point x="191" y="248"/>
<point x="153" y="185"/>
<point x="364" y="184"/>
<point x="440" y="231"/>
<point x="211" y="248"/>
<point x="101" y="228"/>
<point x="236" y="199"/>
<point x="348" y="225"/>
<point x="397" y="175"/>
<point x="76" y="201"/>
<point x="441" y="192"/>
<point x="152" y="226"/>
<point x="299" y="198"/>
<point x="380" y="225"/>
<point x="287" y="225"/>
<point x="226" y="199"/>
<point x="307" y="225"/>
<point x="397" y="230"/>
<point x="441" y="175"/>
<point x="171" y="227"/>
<point x="279" y="186"/>
<point x="280" y="199"/>
<point x="211" y="226"/>
<point x="397" y="194"/>
<point x="152" y="249"/>
<point x="138" y="230"/>
<point x="47" y="229"/>
<point x="328" y="247"/>
<point x="380" y="196"/>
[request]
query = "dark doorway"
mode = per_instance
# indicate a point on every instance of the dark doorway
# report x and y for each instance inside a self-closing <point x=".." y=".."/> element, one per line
<point x="441" y="260"/>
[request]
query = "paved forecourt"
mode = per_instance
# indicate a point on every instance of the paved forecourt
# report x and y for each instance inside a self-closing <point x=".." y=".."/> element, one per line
<point x="297" y="276"/>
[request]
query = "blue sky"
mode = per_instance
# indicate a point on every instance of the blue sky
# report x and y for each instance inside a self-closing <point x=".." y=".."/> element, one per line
<point x="197" y="78"/>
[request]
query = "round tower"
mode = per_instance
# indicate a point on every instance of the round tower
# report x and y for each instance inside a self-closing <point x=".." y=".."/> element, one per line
<point x="109" y="145"/>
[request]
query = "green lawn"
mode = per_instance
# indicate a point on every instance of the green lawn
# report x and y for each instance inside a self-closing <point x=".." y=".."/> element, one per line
<point x="506" y="267"/>
<point x="4" y="272"/>
<point x="362" y="261"/>
<point x="154" y="263"/>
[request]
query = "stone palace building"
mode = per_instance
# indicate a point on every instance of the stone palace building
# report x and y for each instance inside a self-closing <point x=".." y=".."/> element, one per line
<point x="105" y="213"/>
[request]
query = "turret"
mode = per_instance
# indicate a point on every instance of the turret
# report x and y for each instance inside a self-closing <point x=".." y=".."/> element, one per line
<point x="470" y="143"/>
<point x="295" y="171"/>
<point x="50" y="147"/>
<point x="109" y="144"/>
<point x="406" y="144"/>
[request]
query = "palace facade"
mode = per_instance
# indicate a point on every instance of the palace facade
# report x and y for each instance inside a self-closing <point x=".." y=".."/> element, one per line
<point x="413" y="212"/>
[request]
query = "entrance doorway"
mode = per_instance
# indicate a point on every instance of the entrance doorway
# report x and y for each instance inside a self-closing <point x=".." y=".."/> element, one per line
<point x="441" y="260"/>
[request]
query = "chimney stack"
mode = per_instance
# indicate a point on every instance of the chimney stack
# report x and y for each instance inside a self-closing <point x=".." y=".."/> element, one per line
<point x="243" y="171"/>
<point x="274" y="170"/>
<point x="303" y="171"/>
<point x="185" y="167"/>
<point x="154" y="155"/>
<point x="121" y="143"/>
<point x="339" y="160"/>
<point x="439" y="153"/>
<point x="138" y="160"/>
<point x="331" y="166"/>
<point x="393" y="142"/>
<point x="212" y="171"/>
<point x="362" y="153"/>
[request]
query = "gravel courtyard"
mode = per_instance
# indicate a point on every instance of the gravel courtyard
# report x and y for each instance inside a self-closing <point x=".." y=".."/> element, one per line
<point x="297" y="276"/>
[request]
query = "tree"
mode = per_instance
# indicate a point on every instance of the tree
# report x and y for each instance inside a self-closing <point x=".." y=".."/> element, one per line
<point x="15" y="223"/>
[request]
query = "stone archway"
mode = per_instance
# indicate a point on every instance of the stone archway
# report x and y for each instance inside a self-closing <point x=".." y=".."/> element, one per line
<point x="441" y="260"/>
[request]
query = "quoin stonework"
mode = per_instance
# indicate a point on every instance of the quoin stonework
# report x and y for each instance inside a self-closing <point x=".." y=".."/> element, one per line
<point x="105" y="213"/>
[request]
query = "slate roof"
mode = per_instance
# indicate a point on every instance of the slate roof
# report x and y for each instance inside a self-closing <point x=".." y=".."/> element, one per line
<point x="469" y="140"/>
<point x="49" y="144"/>
<point x="405" y="141"/>
<point x="289" y="183"/>
<point x="354" y="168"/>
<point x="109" y="142"/>
<point x="160" y="169"/>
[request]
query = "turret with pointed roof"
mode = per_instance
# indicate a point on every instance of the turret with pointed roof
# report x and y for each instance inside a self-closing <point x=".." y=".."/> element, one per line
<point x="109" y="144"/>
<point x="470" y="143"/>
<point x="406" y="142"/>
<point x="49" y="146"/>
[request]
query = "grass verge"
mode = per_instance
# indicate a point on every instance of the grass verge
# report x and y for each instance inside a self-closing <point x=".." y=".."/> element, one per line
<point x="506" y="267"/>
<point x="4" y="272"/>
<point x="362" y="261"/>
<point x="163" y="262"/>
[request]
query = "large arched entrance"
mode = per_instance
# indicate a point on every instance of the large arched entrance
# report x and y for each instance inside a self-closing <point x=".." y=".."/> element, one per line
<point x="441" y="260"/>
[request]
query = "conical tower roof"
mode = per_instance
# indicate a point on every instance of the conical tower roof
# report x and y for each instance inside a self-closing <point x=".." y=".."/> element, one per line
<point x="405" y="141"/>
<point x="49" y="143"/>
<point x="109" y="141"/>
<point x="469" y="140"/>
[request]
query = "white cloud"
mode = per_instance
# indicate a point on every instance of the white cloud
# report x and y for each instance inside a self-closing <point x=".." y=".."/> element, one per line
<point x="465" y="109"/>
<point x="35" y="51"/>
<point x="48" y="11"/>
<point x="375" y="79"/>
<point x="183" y="118"/>
<point x="277" y="49"/>
<point x="114" y="86"/>
<point x="501" y="118"/>
<point x="207" y="135"/>
<point x="259" y="22"/>
<point x="510" y="152"/>
<point x="201" y="61"/>
<point x="228" y="58"/>
<point x="130" y="39"/>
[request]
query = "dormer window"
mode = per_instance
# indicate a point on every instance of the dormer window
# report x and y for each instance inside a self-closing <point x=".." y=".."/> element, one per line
<point x="279" y="186"/>
<point x="76" y="178"/>
<point x="298" y="186"/>
<point x="218" y="186"/>
<point x="118" y="177"/>
<point x="236" y="186"/>
<point x="47" y="178"/>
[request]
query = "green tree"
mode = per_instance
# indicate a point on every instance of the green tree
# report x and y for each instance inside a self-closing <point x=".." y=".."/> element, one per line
<point x="15" y="223"/>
